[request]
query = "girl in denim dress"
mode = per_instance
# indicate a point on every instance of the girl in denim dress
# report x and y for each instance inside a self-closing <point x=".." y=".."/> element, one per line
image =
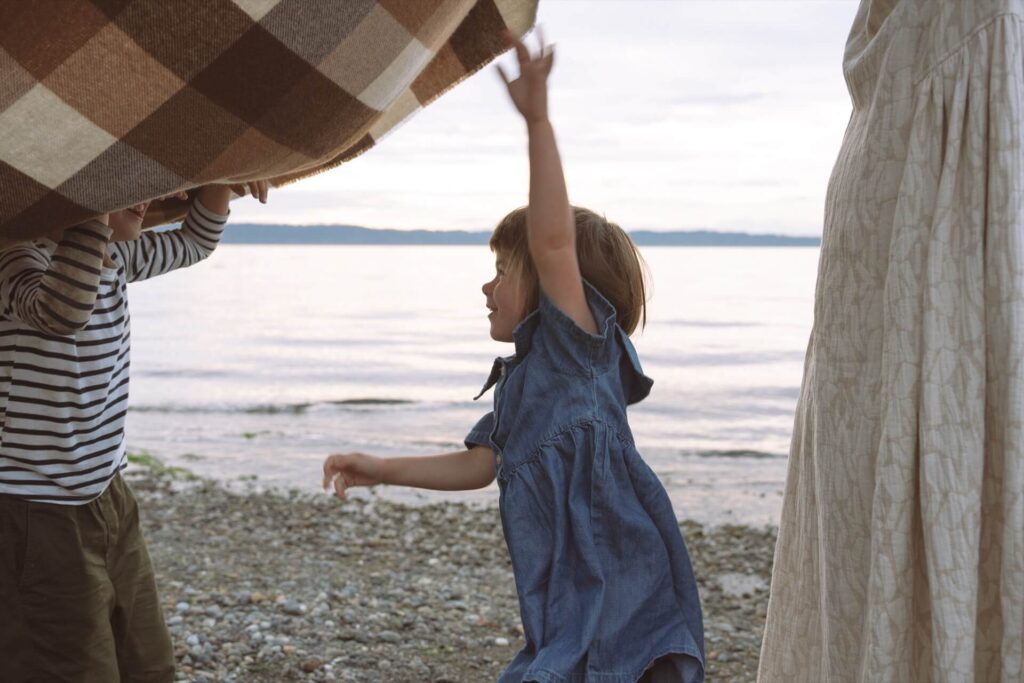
<point x="606" y="590"/>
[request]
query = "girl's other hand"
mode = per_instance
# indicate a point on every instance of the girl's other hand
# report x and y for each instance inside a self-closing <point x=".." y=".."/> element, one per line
<point x="529" y="92"/>
<point x="351" y="469"/>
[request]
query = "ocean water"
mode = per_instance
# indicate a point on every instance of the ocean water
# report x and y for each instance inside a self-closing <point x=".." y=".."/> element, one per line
<point x="255" y="364"/>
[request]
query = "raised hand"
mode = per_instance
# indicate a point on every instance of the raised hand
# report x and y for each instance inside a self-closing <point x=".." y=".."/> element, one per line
<point x="529" y="92"/>
<point x="257" y="188"/>
<point x="215" y="197"/>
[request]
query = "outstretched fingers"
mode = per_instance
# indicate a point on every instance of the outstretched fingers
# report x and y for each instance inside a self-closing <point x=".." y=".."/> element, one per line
<point x="258" y="190"/>
<point x="504" y="76"/>
<point x="329" y="472"/>
<point x="547" y="51"/>
<point x="335" y="467"/>
<point x="522" y="52"/>
<point x="544" y="50"/>
<point x="340" y="485"/>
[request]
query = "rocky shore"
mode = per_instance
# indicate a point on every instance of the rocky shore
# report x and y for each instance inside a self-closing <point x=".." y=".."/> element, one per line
<point x="277" y="586"/>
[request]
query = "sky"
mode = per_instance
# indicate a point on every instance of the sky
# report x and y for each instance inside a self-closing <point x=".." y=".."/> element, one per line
<point x="721" y="115"/>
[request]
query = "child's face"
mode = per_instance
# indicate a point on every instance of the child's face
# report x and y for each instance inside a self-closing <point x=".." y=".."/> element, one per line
<point x="126" y="224"/>
<point x="507" y="301"/>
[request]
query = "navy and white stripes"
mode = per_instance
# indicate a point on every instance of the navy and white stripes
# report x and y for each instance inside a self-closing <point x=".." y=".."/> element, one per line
<point x="64" y="352"/>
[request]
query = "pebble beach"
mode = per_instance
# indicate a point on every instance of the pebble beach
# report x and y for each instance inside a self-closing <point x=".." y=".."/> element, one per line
<point x="271" y="586"/>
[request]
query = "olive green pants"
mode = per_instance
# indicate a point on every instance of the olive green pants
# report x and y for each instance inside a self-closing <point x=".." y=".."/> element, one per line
<point x="78" y="598"/>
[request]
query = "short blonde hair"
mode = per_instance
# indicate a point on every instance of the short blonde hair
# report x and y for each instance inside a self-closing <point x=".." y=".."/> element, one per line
<point x="608" y="260"/>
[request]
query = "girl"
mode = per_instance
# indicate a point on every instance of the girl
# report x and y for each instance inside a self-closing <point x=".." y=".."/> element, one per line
<point x="605" y="587"/>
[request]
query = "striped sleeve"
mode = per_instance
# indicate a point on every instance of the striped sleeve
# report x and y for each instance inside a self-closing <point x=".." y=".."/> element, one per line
<point x="156" y="253"/>
<point x="54" y="294"/>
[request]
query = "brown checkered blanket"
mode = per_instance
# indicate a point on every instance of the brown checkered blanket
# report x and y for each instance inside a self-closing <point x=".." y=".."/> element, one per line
<point x="106" y="103"/>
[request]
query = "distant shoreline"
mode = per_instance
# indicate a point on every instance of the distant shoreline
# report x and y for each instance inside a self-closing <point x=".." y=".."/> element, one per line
<point x="253" y="233"/>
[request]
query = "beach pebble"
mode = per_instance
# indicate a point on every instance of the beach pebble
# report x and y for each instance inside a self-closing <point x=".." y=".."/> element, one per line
<point x="293" y="608"/>
<point x="239" y="569"/>
<point x="740" y="585"/>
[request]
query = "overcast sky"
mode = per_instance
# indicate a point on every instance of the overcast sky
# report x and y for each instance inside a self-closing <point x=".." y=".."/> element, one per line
<point x="671" y="115"/>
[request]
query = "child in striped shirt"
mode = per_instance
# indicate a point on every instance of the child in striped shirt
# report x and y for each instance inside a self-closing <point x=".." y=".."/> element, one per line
<point x="78" y="598"/>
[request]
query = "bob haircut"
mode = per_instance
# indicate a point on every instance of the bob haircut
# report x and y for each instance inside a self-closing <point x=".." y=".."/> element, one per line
<point x="608" y="260"/>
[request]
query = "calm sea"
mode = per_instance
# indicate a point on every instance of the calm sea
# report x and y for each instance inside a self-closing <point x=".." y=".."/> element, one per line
<point x="263" y="359"/>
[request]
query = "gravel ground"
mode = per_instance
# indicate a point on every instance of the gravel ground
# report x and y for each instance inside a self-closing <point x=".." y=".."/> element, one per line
<point x="275" y="586"/>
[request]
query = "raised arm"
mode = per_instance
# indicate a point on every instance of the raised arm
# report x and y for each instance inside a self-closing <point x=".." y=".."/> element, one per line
<point x="55" y="294"/>
<point x="459" y="471"/>
<point x="551" y="229"/>
<point x="156" y="253"/>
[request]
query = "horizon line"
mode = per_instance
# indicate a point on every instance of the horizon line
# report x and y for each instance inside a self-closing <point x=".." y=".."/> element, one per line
<point x="442" y="231"/>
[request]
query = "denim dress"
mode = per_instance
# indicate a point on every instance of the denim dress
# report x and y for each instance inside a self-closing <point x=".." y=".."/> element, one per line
<point x="603" y="576"/>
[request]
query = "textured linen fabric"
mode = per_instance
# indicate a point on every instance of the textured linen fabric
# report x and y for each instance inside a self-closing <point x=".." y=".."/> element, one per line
<point x="173" y="95"/>
<point x="901" y="546"/>
<point x="603" y="576"/>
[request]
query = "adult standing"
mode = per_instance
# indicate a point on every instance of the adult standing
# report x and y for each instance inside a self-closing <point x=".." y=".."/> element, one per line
<point x="901" y="545"/>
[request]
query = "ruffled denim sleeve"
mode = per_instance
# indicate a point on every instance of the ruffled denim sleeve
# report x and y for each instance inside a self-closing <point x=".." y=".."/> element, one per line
<point x="571" y="349"/>
<point x="480" y="435"/>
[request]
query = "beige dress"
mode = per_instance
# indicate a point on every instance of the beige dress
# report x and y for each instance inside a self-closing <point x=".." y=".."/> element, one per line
<point x="901" y="545"/>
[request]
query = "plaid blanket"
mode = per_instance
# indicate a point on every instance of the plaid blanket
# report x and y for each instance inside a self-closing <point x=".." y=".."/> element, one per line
<point x="106" y="103"/>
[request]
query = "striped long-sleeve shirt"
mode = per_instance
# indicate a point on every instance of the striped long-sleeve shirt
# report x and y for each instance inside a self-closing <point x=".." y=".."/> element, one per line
<point x="64" y="352"/>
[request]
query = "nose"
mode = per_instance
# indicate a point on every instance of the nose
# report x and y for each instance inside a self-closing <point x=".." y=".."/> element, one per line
<point x="488" y="287"/>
